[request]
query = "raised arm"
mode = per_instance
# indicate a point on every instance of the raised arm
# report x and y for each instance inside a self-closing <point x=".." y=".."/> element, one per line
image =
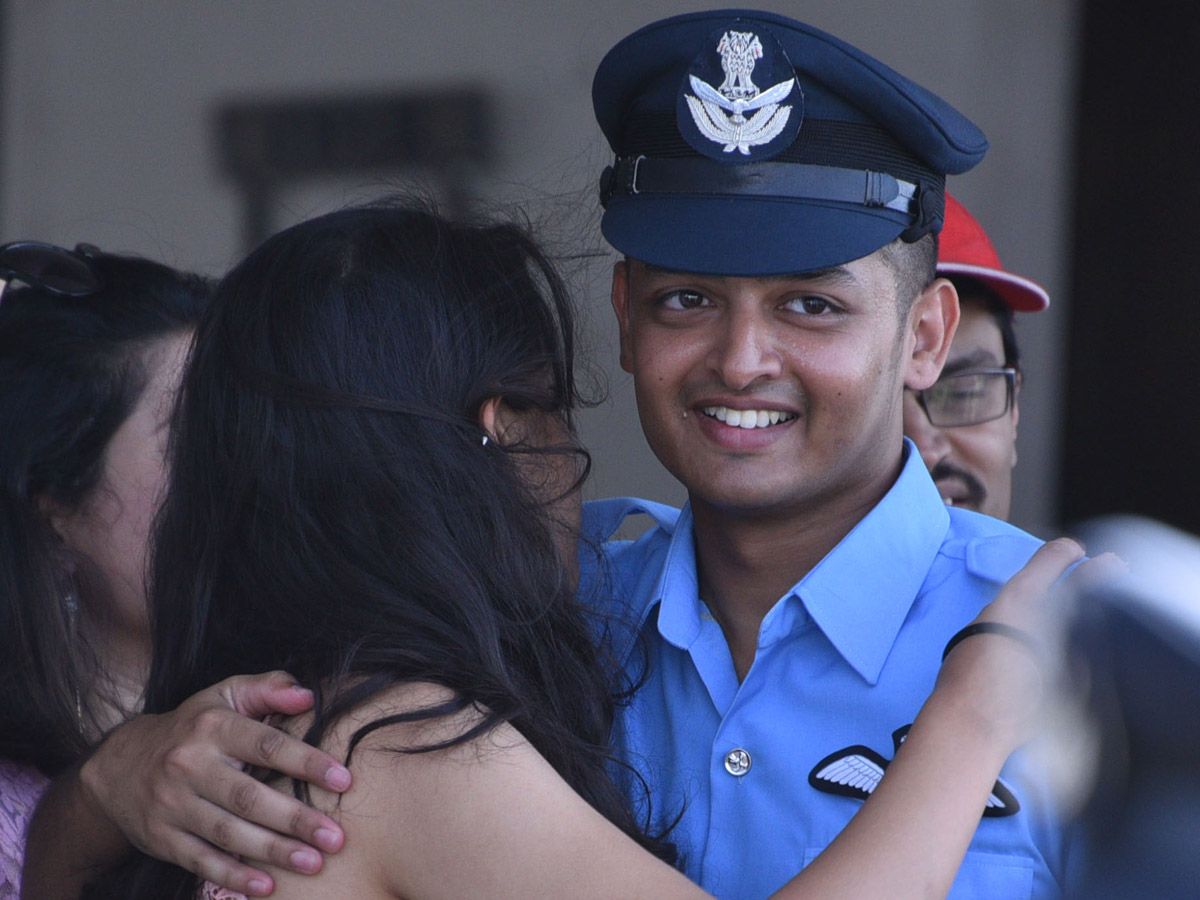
<point x="173" y="786"/>
<point x="983" y="708"/>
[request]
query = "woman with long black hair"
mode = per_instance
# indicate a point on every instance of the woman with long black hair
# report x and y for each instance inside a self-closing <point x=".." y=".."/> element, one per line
<point x="91" y="348"/>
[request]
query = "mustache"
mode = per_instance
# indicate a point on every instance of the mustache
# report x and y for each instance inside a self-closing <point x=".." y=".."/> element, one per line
<point x="975" y="489"/>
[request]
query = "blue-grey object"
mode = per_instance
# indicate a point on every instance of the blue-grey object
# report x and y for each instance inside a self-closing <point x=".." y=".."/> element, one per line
<point x="748" y="143"/>
<point x="1138" y="640"/>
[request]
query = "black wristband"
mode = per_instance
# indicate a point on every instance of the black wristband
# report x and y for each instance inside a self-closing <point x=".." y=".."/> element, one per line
<point x="974" y="628"/>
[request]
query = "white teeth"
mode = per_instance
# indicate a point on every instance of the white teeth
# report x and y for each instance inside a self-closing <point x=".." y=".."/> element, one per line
<point x="949" y="501"/>
<point x="747" y="418"/>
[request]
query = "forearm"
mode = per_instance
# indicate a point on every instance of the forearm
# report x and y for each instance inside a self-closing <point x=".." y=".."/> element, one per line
<point x="71" y="841"/>
<point x="909" y="839"/>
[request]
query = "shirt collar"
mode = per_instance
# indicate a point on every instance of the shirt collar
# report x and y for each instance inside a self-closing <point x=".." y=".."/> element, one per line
<point x="873" y="575"/>
<point x="682" y="610"/>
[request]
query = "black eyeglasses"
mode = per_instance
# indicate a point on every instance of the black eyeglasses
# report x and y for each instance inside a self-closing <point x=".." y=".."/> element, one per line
<point x="969" y="398"/>
<point x="49" y="268"/>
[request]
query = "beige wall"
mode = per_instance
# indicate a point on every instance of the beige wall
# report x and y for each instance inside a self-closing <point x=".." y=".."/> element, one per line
<point x="107" y="136"/>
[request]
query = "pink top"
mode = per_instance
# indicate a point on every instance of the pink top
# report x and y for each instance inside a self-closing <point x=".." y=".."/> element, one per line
<point x="20" y="788"/>
<point x="206" y="890"/>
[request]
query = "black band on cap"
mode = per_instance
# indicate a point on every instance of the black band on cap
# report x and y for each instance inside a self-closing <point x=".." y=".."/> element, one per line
<point x="793" y="181"/>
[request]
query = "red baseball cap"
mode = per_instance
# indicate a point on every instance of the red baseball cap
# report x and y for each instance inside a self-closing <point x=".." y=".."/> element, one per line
<point x="965" y="249"/>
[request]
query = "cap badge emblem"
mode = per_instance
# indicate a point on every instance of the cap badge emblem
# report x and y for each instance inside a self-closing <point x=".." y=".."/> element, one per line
<point x="737" y="115"/>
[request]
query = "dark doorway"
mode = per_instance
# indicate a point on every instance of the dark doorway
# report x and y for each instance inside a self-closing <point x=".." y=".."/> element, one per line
<point x="1133" y="388"/>
<point x="441" y="138"/>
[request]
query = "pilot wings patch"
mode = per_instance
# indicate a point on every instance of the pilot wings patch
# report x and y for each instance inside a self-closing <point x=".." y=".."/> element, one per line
<point x="856" y="771"/>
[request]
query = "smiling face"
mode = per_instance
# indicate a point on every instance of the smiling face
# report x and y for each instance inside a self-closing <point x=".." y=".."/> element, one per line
<point x="971" y="464"/>
<point x="110" y="530"/>
<point x="782" y="395"/>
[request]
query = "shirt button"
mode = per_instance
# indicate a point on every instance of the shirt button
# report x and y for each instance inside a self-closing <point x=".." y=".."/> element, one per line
<point x="737" y="762"/>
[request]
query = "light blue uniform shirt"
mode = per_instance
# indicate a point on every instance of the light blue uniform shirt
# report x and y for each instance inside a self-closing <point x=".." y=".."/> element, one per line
<point x="844" y="661"/>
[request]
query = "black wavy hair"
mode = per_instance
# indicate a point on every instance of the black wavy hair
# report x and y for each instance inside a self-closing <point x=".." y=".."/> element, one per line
<point x="973" y="290"/>
<point x="71" y="371"/>
<point x="334" y="512"/>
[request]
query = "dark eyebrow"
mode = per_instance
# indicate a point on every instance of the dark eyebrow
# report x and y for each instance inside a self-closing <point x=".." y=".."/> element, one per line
<point x="980" y="359"/>
<point x="832" y="275"/>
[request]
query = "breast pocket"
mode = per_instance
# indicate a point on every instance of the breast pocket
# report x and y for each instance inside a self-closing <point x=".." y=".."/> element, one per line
<point x="993" y="876"/>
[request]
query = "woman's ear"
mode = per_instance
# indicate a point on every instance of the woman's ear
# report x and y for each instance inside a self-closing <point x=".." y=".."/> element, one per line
<point x="932" y="322"/>
<point x="498" y="419"/>
<point x="487" y="417"/>
<point x="58" y="518"/>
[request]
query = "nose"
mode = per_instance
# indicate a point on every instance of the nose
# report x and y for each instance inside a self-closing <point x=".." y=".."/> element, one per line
<point x="930" y="440"/>
<point x="746" y="352"/>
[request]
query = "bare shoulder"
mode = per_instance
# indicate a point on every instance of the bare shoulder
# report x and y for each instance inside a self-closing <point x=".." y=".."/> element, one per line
<point x="438" y="811"/>
<point x="414" y="802"/>
<point x="402" y="728"/>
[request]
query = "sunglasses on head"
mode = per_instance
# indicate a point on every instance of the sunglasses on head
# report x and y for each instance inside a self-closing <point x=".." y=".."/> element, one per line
<point x="48" y="268"/>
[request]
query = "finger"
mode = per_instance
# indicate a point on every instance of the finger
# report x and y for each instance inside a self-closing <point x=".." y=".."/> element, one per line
<point x="258" y="744"/>
<point x="265" y="811"/>
<point x="1044" y="568"/>
<point x="1097" y="572"/>
<point x="212" y="864"/>
<point x="240" y="838"/>
<point x="260" y="695"/>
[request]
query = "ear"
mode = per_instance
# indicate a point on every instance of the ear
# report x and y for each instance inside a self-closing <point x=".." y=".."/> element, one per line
<point x="932" y="321"/>
<point x="620" y="303"/>
<point x="1016" y="415"/>
<point x="58" y="518"/>
<point x="497" y="419"/>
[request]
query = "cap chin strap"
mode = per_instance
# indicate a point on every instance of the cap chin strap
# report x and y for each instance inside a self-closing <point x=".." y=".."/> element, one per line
<point x="795" y="181"/>
<point x="632" y="175"/>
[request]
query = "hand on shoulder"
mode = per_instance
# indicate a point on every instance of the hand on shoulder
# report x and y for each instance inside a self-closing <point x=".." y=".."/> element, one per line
<point x="175" y="786"/>
<point x="995" y="666"/>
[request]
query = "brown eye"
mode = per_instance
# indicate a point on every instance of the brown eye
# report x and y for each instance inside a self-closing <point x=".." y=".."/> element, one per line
<point x="811" y="305"/>
<point x="684" y="300"/>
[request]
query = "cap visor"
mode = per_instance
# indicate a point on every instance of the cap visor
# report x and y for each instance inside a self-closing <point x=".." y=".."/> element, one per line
<point x="1019" y="294"/>
<point x="740" y="237"/>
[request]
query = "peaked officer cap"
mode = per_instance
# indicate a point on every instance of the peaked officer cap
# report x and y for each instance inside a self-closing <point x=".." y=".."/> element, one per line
<point x="748" y="143"/>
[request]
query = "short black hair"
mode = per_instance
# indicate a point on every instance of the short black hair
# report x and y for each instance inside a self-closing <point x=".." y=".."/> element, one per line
<point x="914" y="267"/>
<point x="972" y="289"/>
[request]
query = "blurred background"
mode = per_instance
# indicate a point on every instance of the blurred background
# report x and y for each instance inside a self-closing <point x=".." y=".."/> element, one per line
<point x="188" y="129"/>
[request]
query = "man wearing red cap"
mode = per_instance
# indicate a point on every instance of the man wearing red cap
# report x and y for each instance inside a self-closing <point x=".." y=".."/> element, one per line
<point x="965" y="425"/>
